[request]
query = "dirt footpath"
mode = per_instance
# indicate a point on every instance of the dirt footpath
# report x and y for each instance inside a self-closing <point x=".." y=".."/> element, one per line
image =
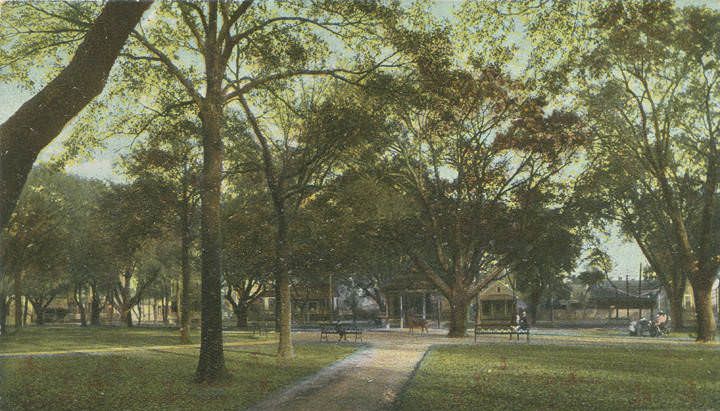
<point x="372" y="378"/>
<point x="367" y="380"/>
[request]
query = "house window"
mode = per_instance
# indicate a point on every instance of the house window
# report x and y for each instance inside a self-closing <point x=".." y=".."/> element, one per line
<point x="313" y="306"/>
<point x="498" y="289"/>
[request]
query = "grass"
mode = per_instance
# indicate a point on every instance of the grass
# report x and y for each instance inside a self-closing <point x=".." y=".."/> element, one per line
<point x="64" y="338"/>
<point x="517" y="376"/>
<point x="154" y="380"/>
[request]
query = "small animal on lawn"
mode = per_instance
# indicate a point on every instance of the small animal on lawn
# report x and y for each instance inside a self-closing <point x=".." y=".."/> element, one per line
<point x="414" y="322"/>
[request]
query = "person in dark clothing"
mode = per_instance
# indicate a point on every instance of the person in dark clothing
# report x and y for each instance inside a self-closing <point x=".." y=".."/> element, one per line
<point x="523" y="322"/>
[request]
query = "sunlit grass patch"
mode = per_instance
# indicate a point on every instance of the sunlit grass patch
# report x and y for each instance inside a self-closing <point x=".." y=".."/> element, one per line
<point x="516" y="376"/>
<point x="64" y="338"/>
<point x="154" y="380"/>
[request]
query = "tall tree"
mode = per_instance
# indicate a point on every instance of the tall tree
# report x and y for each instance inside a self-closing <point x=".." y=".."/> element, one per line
<point x="132" y="219"/>
<point x="32" y="242"/>
<point x="169" y="159"/>
<point x="652" y="89"/>
<point x="361" y="213"/>
<point x="247" y="241"/>
<point x="618" y="188"/>
<point x="238" y="48"/>
<point x="548" y="246"/>
<point x="5" y="299"/>
<point x="466" y="139"/>
<point x="304" y="139"/>
<point x="86" y="248"/>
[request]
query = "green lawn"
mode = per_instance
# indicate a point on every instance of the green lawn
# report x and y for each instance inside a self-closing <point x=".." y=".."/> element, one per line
<point x="154" y="380"/>
<point x="62" y="338"/>
<point x="518" y="376"/>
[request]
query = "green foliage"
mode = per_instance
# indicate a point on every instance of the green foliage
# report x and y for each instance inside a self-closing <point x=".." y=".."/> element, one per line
<point x="44" y="242"/>
<point x="248" y="257"/>
<point x="38" y="38"/>
<point x="466" y="141"/>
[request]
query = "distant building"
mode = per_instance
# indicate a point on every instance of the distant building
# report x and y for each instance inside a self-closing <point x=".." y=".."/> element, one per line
<point x="499" y="302"/>
<point x="632" y="296"/>
<point x="688" y="301"/>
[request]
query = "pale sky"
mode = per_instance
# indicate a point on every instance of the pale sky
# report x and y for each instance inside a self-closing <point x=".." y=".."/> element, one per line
<point x="626" y="255"/>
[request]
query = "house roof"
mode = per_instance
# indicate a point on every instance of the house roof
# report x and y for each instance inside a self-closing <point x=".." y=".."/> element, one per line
<point x="497" y="290"/>
<point x="622" y="294"/>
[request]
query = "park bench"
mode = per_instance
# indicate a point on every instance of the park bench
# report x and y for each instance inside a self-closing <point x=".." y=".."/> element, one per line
<point x="500" y="328"/>
<point x="259" y="329"/>
<point x="341" y="330"/>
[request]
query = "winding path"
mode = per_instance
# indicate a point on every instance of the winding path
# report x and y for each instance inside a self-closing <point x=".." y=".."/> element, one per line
<point x="367" y="380"/>
<point x="372" y="378"/>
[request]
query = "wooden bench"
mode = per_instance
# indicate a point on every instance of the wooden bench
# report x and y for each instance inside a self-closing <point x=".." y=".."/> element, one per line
<point x="342" y="331"/>
<point x="259" y="329"/>
<point x="501" y="328"/>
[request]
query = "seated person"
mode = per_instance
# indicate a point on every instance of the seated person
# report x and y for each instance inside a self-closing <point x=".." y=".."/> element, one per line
<point x="661" y="320"/>
<point x="523" y="322"/>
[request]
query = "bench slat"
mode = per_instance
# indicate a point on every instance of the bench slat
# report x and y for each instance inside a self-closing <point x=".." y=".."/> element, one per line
<point x="500" y="329"/>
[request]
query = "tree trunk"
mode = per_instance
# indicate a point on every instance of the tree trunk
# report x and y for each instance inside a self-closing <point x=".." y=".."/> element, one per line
<point x="165" y="311"/>
<point x="81" y="306"/>
<point x="95" y="312"/>
<point x="185" y="282"/>
<point x="83" y="317"/>
<point x="3" y="314"/>
<point x="676" y="310"/>
<point x="382" y="305"/>
<point x="276" y="307"/>
<point x="285" y="346"/>
<point x="25" y="313"/>
<point x="95" y="306"/>
<point x="17" y="300"/>
<point x="211" y="365"/>
<point x="702" y="291"/>
<point x="241" y="314"/>
<point x="533" y="308"/>
<point x="458" y="317"/>
<point x="39" y="120"/>
<point x="39" y="313"/>
<point x="139" y="312"/>
<point x="128" y="316"/>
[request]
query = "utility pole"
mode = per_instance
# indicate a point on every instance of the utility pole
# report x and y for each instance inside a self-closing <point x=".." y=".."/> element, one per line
<point x="627" y="293"/>
<point x="617" y="301"/>
<point x="438" y="308"/>
<point x="640" y="276"/>
<point x="331" y="299"/>
<point x="424" y="305"/>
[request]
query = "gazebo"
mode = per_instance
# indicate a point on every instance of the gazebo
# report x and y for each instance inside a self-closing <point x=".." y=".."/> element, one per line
<point x="409" y="295"/>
